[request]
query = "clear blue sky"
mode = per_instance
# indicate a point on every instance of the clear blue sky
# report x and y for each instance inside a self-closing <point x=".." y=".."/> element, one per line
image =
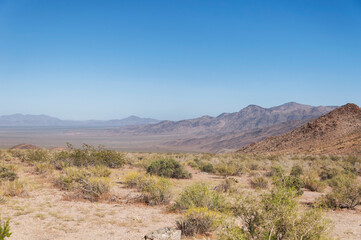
<point x="176" y="59"/>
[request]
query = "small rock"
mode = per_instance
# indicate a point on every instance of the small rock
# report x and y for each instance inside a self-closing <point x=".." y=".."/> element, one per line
<point x="164" y="234"/>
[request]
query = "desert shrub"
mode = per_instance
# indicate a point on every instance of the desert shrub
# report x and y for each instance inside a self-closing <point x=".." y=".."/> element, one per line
<point x="7" y="173"/>
<point x="94" y="188"/>
<point x="296" y="170"/>
<point x="14" y="188"/>
<point x="37" y="155"/>
<point x="90" y="183"/>
<point x="276" y="215"/>
<point x="4" y="229"/>
<point x="259" y="182"/>
<point x="198" y="221"/>
<point x="228" y="186"/>
<point x="156" y="190"/>
<point x="225" y="169"/>
<point x="88" y="156"/>
<point x="168" y="168"/>
<point x="293" y="182"/>
<point x="312" y="183"/>
<point x="231" y="231"/>
<point x="276" y="171"/>
<point x="346" y="193"/>
<point x="132" y="179"/>
<point x="334" y="158"/>
<point x="207" y="167"/>
<point x="43" y="167"/>
<point x="199" y="195"/>
<point x="329" y="172"/>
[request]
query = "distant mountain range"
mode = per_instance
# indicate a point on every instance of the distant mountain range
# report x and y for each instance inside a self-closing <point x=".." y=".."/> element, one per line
<point x="20" y="120"/>
<point x="224" y="133"/>
<point x="248" y="118"/>
<point x="230" y="131"/>
<point x="338" y="132"/>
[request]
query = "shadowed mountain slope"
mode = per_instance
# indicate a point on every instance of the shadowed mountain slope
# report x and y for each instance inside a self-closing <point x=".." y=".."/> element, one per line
<point x="338" y="132"/>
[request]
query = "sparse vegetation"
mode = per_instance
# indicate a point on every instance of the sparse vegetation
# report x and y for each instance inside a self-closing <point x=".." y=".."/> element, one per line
<point x="199" y="195"/>
<point x="198" y="221"/>
<point x="259" y="182"/>
<point x="88" y="156"/>
<point x="168" y="168"/>
<point x="4" y="229"/>
<point x="7" y="173"/>
<point x="346" y="193"/>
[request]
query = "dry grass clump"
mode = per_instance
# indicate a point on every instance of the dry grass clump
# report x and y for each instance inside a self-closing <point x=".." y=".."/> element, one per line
<point x="199" y="195"/>
<point x="259" y="182"/>
<point x="14" y="188"/>
<point x="228" y="186"/>
<point x="198" y="221"/>
<point x="43" y="168"/>
<point x="312" y="183"/>
<point x="91" y="183"/>
<point x="154" y="190"/>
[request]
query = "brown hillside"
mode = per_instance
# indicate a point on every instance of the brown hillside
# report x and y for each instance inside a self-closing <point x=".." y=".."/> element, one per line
<point x="338" y="132"/>
<point x="24" y="146"/>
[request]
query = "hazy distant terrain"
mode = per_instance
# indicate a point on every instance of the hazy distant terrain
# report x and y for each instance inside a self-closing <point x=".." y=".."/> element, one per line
<point x="21" y="120"/>
<point x="226" y="132"/>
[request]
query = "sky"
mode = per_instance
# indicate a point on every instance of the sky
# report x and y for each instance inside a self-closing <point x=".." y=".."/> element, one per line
<point x="176" y="59"/>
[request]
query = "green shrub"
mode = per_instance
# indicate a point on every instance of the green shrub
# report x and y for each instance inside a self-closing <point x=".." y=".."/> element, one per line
<point x="293" y="182"/>
<point x="296" y="170"/>
<point x="276" y="215"/>
<point x="168" y="168"/>
<point x="346" y="193"/>
<point x="199" y="195"/>
<point x="231" y="231"/>
<point x="207" y="167"/>
<point x="4" y="229"/>
<point x="276" y="171"/>
<point x="133" y="179"/>
<point x="88" y="156"/>
<point x="259" y="182"/>
<point x="37" y="155"/>
<point x="225" y="169"/>
<point x="7" y="173"/>
<point x="198" y="221"/>
<point x="156" y="190"/>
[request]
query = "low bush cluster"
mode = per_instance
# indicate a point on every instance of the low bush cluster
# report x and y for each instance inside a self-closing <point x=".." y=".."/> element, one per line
<point x="259" y="182"/>
<point x="199" y="195"/>
<point x="88" y="156"/>
<point x="198" y="221"/>
<point x="7" y="173"/>
<point x="168" y="168"/>
<point x="346" y="193"/>
<point x="154" y="190"/>
<point x="90" y="183"/>
<point x="275" y="215"/>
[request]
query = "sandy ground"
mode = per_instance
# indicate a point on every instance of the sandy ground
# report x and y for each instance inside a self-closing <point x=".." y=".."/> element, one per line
<point x="44" y="214"/>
